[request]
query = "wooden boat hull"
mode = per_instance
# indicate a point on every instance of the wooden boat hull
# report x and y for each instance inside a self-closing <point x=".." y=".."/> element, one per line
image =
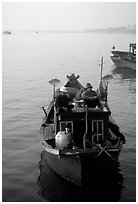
<point x="78" y="165"/>
<point x="67" y="167"/>
<point x="120" y="63"/>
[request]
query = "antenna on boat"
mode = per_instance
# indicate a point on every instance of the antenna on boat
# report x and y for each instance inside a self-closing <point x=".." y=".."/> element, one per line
<point x="101" y="69"/>
<point x="54" y="82"/>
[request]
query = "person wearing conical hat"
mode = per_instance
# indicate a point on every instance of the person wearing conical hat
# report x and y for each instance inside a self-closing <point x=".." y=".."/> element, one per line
<point x="90" y="97"/>
<point x="63" y="100"/>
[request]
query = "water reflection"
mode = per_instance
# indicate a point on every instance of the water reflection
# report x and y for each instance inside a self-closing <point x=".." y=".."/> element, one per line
<point x="125" y="73"/>
<point x="102" y="188"/>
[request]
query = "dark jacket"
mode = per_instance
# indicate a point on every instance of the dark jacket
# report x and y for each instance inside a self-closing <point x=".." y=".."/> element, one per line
<point x="63" y="100"/>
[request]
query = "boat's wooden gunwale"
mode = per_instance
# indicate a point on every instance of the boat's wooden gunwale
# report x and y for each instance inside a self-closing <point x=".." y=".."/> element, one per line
<point x="76" y="151"/>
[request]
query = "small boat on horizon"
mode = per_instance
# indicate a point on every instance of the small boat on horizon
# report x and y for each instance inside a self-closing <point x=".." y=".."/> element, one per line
<point x="97" y="137"/>
<point x="125" y="59"/>
<point x="6" y="32"/>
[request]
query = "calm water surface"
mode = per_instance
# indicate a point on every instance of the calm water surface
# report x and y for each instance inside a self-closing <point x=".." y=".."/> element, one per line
<point x="29" y="62"/>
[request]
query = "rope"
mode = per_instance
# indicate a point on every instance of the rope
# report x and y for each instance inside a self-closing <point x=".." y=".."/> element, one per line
<point x="102" y="149"/>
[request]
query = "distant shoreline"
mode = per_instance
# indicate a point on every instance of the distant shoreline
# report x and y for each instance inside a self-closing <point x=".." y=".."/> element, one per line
<point x="110" y="30"/>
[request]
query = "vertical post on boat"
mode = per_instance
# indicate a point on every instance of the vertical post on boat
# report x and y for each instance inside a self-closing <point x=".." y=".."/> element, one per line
<point x="54" y="82"/>
<point x="103" y="87"/>
<point x="55" y="117"/>
<point x="101" y="69"/>
<point x="129" y="53"/>
<point x="54" y="91"/>
<point x="101" y="75"/>
<point x="106" y="91"/>
<point x="86" y="128"/>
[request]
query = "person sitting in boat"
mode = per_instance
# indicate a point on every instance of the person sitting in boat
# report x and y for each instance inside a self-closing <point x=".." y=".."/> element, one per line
<point x="90" y="97"/>
<point x="63" y="100"/>
<point x="70" y="137"/>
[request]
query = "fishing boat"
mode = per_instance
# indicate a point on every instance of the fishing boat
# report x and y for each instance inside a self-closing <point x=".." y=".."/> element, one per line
<point x="96" y="136"/>
<point x="6" y="32"/>
<point x="125" y="59"/>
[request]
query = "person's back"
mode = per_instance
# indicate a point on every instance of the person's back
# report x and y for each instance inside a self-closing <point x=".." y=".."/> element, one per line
<point x="63" y="100"/>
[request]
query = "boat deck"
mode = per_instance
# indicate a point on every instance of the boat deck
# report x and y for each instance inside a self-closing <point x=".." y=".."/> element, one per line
<point x="82" y="110"/>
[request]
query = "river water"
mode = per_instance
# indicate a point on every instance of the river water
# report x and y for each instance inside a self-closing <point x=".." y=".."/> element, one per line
<point x="29" y="61"/>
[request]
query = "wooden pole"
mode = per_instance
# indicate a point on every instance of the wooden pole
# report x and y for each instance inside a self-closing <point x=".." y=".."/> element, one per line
<point x="44" y="111"/>
<point x="54" y="91"/>
<point x="55" y="116"/>
<point x="54" y="82"/>
<point x="101" y="69"/>
<point x="86" y="128"/>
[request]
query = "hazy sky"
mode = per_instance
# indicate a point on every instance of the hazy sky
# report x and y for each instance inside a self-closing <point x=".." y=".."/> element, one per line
<point x="67" y="15"/>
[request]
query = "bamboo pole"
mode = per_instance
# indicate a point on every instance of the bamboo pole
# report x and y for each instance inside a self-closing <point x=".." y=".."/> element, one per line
<point x="101" y="69"/>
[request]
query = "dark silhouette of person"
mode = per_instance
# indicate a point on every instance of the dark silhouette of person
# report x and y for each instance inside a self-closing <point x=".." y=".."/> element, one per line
<point x="63" y="100"/>
<point x="90" y="97"/>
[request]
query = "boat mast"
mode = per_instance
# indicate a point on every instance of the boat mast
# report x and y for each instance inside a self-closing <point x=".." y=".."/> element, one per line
<point x="86" y="128"/>
<point x="103" y="87"/>
<point x="101" y="69"/>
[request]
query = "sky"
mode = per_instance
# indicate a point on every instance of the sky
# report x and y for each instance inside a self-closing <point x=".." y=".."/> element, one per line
<point x="67" y="15"/>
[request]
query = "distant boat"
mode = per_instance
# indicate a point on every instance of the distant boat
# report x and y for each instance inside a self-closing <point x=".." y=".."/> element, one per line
<point x="125" y="59"/>
<point x="7" y="32"/>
